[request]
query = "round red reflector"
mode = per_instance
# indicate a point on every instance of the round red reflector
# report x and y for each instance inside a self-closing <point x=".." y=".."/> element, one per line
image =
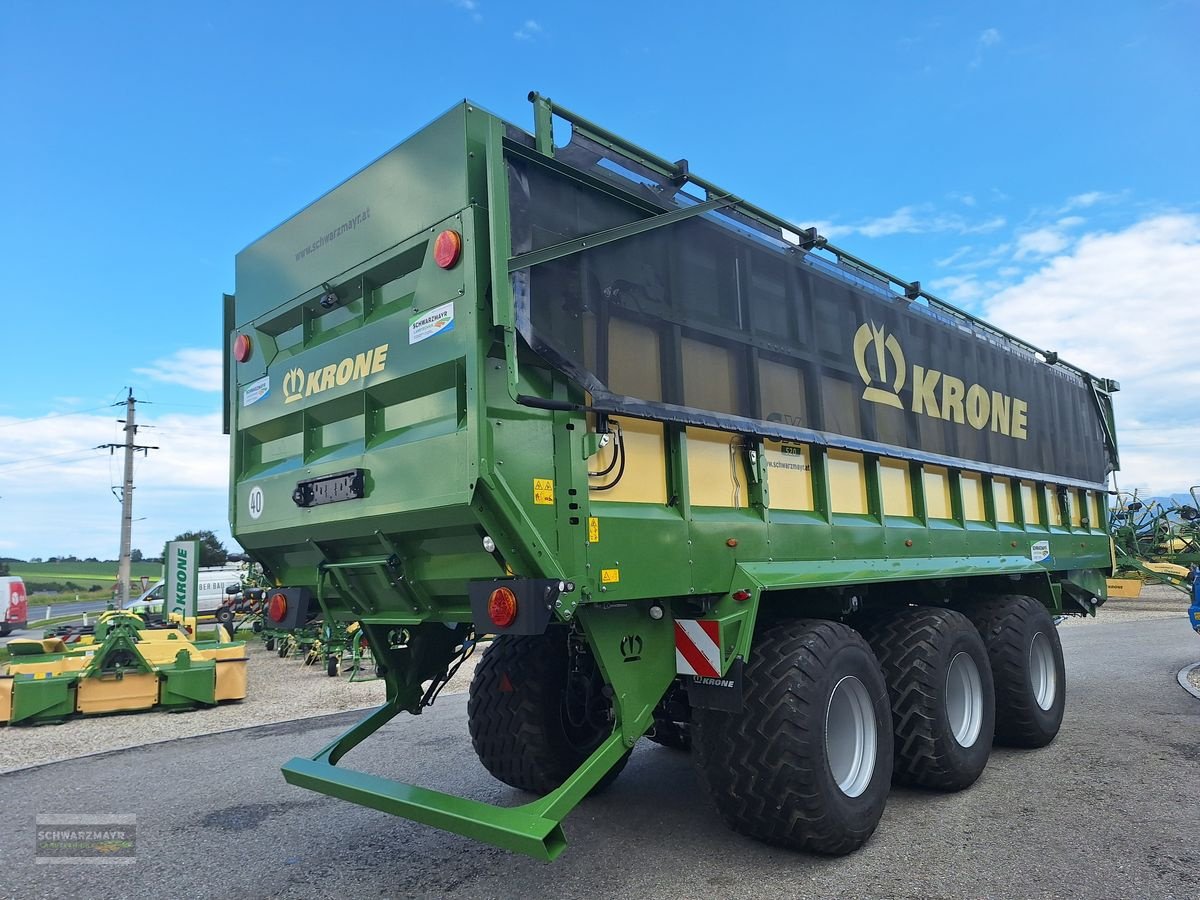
<point x="242" y="348"/>
<point x="741" y="596"/>
<point x="446" y="248"/>
<point x="277" y="607"/>
<point x="502" y="607"/>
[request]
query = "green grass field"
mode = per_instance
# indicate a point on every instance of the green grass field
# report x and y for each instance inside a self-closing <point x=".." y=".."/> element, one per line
<point x="66" y="579"/>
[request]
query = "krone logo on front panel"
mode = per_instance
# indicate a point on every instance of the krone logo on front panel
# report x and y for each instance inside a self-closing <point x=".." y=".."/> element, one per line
<point x="873" y="345"/>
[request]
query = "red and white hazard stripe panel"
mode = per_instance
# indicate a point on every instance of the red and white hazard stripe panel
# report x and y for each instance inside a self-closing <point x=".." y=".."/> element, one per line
<point x="698" y="647"/>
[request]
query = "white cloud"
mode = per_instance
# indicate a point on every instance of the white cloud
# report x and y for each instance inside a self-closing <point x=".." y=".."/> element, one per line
<point x="194" y="367"/>
<point x="1083" y="201"/>
<point x="56" y="489"/>
<point x="1122" y="305"/>
<point x="1040" y="242"/>
<point x="528" y="31"/>
<point x="471" y="6"/>
<point x="921" y="219"/>
<point x="989" y="37"/>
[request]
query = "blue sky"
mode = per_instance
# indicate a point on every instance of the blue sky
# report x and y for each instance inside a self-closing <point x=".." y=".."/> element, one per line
<point x="1034" y="162"/>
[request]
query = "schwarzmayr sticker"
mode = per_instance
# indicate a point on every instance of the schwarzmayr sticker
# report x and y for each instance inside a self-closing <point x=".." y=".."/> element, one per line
<point x="256" y="390"/>
<point x="438" y="320"/>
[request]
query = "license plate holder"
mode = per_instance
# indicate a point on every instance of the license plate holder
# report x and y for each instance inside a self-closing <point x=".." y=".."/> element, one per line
<point x="335" y="488"/>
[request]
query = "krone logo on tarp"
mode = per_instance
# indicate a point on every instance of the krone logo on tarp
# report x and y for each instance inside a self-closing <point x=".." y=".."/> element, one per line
<point x="880" y="361"/>
<point x="300" y="383"/>
<point x="880" y="345"/>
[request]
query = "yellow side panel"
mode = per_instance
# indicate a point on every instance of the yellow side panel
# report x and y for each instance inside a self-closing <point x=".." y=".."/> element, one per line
<point x="645" y="478"/>
<point x="847" y="481"/>
<point x="1076" y="508"/>
<point x="1100" y="515"/>
<point x="936" y="481"/>
<point x="710" y="377"/>
<point x="1033" y="515"/>
<point x="136" y="691"/>
<point x="781" y="389"/>
<point x="6" y="688"/>
<point x="231" y="679"/>
<point x="634" y="362"/>
<point x="1003" y="498"/>
<point x="972" y="494"/>
<point x="716" y="469"/>
<point x="789" y="475"/>
<point x="1052" y="505"/>
<point x="1129" y="588"/>
<point x="896" y="485"/>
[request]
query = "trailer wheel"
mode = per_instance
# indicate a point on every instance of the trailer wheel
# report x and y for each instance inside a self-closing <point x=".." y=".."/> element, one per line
<point x="269" y="644"/>
<point x="526" y="727"/>
<point x="943" y="702"/>
<point x="333" y="667"/>
<point x="1028" y="668"/>
<point x="807" y="763"/>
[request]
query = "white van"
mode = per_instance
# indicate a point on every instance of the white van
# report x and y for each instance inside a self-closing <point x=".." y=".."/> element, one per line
<point x="210" y="591"/>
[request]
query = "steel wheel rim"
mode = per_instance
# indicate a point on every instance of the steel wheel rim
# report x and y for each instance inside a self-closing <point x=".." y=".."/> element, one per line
<point x="964" y="699"/>
<point x="1043" y="674"/>
<point x="850" y="736"/>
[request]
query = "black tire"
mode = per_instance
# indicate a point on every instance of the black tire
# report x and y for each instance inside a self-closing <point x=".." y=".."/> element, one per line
<point x="676" y="735"/>
<point x="769" y="768"/>
<point x="517" y="714"/>
<point x="225" y="617"/>
<point x="333" y="667"/>
<point x="1010" y="625"/>
<point x="942" y="739"/>
<point x="5" y="630"/>
<point x="269" y="644"/>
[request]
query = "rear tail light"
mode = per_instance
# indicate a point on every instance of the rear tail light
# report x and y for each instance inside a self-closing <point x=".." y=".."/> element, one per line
<point x="277" y="608"/>
<point x="502" y="607"/>
<point x="447" y="248"/>
<point x="242" y="347"/>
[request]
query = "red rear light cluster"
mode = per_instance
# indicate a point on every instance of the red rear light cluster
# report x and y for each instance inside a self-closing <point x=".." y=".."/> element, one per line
<point x="242" y="347"/>
<point x="502" y="607"/>
<point x="277" y="607"/>
<point x="447" y="248"/>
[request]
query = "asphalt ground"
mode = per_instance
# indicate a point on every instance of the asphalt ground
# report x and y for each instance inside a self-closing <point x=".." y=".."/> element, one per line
<point x="1108" y="810"/>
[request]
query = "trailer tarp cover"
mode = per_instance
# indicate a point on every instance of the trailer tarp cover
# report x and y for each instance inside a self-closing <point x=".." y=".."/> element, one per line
<point x="740" y="329"/>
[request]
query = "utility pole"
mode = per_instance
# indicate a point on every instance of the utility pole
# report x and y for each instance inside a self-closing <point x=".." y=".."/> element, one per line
<point x="130" y="447"/>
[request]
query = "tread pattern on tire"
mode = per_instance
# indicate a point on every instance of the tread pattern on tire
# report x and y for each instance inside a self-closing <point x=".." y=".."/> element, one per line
<point x="908" y="644"/>
<point x="1003" y="622"/>
<point x="758" y="765"/>
<point x="514" y="714"/>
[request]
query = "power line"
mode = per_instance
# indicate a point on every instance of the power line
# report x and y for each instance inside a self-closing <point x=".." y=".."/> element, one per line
<point x="75" y="412"/>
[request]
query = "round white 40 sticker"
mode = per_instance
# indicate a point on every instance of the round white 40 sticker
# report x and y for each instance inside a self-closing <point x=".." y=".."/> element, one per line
<point x="256" y="502"/>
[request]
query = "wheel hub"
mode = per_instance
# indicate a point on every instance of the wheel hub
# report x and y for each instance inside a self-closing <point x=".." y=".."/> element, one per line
<point x="964" y="699"/>
<point x="850" y="736"/>
<point x="1043" y="674"/>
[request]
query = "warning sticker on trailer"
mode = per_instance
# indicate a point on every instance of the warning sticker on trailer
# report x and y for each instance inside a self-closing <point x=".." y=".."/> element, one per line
<point x="593" y="530"/>
<point x="698" y="647"/>
<point x="543" y="491"/>
<point x="424" y="325"/>
<point x="1040" y="551"/>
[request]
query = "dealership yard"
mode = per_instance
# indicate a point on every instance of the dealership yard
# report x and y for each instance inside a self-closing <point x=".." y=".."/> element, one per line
<point x="1108" y="810"/>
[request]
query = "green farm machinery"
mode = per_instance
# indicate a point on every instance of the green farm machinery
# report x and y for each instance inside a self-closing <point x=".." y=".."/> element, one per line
<point x="681" y="458"/>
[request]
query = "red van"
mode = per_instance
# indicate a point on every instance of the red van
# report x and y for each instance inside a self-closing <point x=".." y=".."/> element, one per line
<point x="14" y="604"/>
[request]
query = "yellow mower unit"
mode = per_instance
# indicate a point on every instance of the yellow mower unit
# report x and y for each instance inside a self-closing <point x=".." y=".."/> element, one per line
<point x="126" y="667"/>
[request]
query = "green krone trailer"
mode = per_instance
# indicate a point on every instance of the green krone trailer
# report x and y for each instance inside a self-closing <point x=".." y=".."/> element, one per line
<point x="686" y="471"/>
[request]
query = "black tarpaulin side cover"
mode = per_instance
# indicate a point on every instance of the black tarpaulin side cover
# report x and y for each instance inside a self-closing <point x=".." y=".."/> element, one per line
<point x="706" y="322"/>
